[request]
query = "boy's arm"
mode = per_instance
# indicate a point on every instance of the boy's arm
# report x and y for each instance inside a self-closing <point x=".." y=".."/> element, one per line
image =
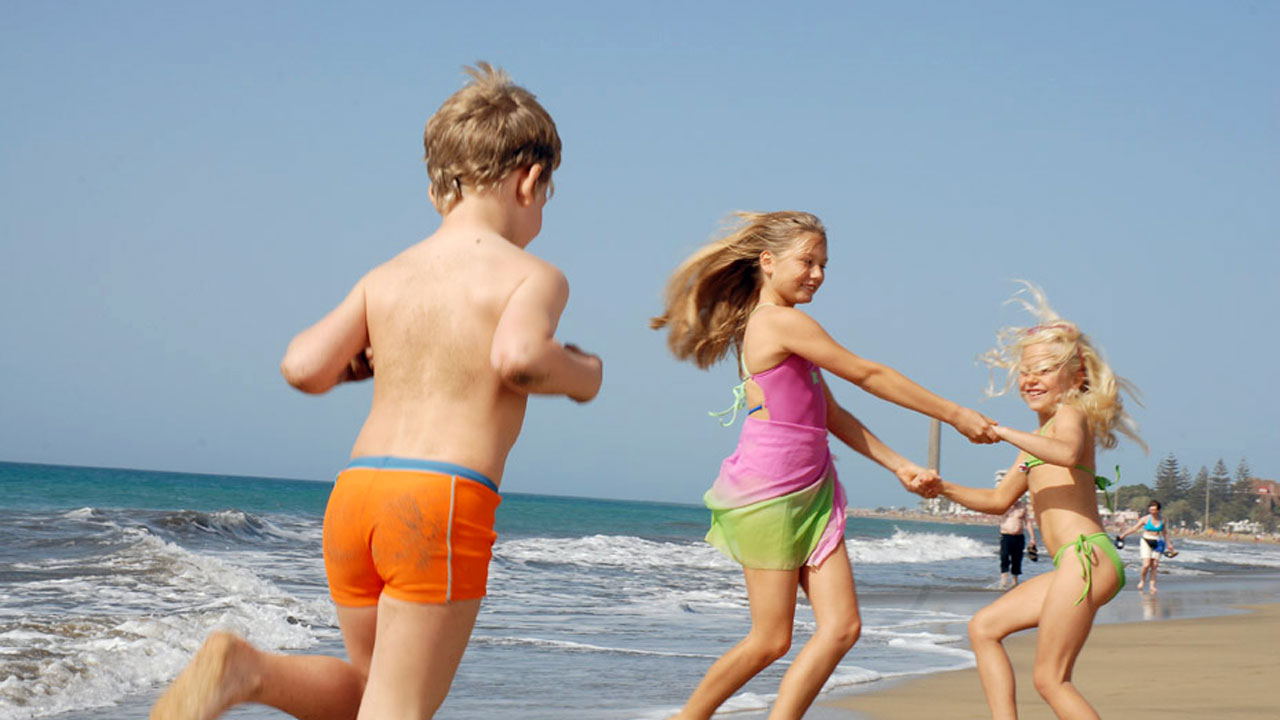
<point x="1067" y="446"/>
<point x="803" y="336"/>
<point x="332" y="350"/>
<point x="992" y="502"/>
<point x="1031" y="526"/>
<point x="849" y="430"/>
<point x="525" y="353"/>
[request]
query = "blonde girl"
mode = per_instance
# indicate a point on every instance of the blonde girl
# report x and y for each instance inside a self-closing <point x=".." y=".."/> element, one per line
<point x="1073" y="392"/>
<point x="777" y="505"/>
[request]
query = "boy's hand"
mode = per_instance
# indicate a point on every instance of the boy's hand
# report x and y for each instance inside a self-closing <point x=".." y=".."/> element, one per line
<point x="359" y="367"/>
<point x="979" y="428"/>
<point x="594" y="364"/>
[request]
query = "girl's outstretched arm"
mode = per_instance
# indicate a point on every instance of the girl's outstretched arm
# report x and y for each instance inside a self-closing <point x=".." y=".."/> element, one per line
<point x="1066" y="448"/>
<point x="849" y="430"/>
<point x="802" y="335"/>
<point x="992" y="502"/>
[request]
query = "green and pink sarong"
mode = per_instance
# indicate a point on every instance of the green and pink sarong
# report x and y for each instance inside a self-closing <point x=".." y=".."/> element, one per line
<point x="777" y="503"/>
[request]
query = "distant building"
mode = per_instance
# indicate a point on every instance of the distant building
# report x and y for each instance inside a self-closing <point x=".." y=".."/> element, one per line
<point x="1266" y="492"/>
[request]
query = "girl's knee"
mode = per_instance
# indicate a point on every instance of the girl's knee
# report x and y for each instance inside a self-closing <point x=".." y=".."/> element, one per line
<point x="982" y="627"/>
<point x="1048" y="681"/>
<point x="769" y="646"/>
<point x="845" y="632"/>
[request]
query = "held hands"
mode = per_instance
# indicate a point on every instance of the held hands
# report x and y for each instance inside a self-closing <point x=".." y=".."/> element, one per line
<point x="980" y="429"/>
<point x="921" y="481"/>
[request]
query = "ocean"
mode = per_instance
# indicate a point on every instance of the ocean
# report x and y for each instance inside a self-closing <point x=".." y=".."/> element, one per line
<point x="600" y="609"/>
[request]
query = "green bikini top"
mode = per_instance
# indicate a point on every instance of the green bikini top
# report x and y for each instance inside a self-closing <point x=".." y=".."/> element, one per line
<point x="1102" y="482"/>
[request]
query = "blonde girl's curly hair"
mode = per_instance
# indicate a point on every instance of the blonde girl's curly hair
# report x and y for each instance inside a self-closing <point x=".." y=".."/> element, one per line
<point x="1098" y="397"/>
<point x="711" y="294"/>
<point x="485" y="131"/>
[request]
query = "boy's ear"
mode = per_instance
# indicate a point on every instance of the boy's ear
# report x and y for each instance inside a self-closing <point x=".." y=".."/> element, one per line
<point x="431" y="195"/>
<point x="527" y="184"/>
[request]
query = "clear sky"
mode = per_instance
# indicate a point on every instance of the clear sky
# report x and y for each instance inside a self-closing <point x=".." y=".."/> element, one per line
<point x="185" y="186"/>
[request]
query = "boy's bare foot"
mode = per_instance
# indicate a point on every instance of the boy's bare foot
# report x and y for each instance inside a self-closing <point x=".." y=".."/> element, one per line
<point x="213" y="681"/>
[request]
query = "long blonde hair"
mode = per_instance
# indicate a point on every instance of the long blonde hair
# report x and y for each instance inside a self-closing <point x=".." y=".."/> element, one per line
<point x="710" y="295"/>
<point x="1098" y="397"/>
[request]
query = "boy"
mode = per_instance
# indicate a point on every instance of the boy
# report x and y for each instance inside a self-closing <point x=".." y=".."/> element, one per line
<point x="460" y="330"/>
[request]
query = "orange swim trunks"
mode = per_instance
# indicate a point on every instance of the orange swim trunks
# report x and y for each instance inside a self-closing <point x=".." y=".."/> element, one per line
<point x="418" y="530"/>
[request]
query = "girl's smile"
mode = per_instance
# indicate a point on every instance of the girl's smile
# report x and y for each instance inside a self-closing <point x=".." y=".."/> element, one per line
<point x="796" y="274"/>
<point x="1042" y="378"/>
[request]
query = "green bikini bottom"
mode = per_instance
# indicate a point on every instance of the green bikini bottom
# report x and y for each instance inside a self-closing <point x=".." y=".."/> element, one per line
<point x="1084" y="547"/>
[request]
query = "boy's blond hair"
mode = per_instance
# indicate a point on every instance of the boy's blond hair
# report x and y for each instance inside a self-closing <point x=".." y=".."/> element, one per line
<point x="485" y="131"/>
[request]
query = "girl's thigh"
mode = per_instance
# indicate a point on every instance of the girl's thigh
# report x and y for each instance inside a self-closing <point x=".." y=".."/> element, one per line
<point x="1069" y="610"/>
<point x="1017" y="609"/>
<point x="772" y="597"/>
<point x="831" y="588"/>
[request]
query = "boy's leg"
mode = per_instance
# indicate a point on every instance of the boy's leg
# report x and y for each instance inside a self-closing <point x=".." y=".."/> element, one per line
<point x="1016" y="610"/>
<point x="834" y="599"/>
<point x="1065" y="626"/>
<point x="772" y="594"/>
<point x="418" y="650"/>
<point x="228" y="671"/>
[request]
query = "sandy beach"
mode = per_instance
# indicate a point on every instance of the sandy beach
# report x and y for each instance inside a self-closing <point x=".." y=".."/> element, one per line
<point x="1220" y="667"/>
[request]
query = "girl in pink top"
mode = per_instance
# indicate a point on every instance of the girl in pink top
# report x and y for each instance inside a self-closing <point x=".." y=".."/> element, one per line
<point x="776" y="506"/>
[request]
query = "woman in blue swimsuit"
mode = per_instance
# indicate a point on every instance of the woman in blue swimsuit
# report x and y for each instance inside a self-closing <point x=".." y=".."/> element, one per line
<point x="1155" y="540"/>
<point x="1075" y="397"/>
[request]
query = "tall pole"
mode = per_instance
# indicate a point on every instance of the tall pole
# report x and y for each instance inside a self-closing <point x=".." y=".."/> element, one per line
<point x="1208" y="483"/>
<point x="1117" y="502"/>
<point x="935" y="443"/>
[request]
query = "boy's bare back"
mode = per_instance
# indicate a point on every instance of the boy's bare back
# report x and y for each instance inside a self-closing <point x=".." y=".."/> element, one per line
<point x="461" y="326"/>
<point x="432" y="313"/>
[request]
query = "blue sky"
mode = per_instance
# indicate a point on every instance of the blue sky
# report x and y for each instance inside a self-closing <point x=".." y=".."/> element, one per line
<point x="185" y="187"/>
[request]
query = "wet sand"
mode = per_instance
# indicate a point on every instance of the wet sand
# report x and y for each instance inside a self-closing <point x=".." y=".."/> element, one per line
<point x="1225" y="667"/>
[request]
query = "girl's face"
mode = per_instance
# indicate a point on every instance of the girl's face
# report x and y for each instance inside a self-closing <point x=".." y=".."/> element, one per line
<point x="1154" y="510"/>
<point x="796" y="274"/>
<point x="1042" y="378"/>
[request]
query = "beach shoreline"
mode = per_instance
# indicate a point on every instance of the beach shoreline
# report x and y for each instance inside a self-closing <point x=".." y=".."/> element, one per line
<point x="1216" y="666"/>
<point x="979" y="519"/>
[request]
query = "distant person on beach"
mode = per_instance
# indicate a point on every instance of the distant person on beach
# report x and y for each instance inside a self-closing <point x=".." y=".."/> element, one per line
<point x="460" y="328"/>
<point x="1013" y="542"/>
<point x="1155" y="541"/>
<point x="1063" y="378"/>
<point x="777" y="506"/>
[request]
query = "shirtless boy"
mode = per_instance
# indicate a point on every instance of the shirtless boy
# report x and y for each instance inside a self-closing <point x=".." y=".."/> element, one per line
<point x="460" y="328"/>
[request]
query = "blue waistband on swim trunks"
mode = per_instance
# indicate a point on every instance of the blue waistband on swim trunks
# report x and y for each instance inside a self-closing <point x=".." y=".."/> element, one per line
<point x="391" y="462"/>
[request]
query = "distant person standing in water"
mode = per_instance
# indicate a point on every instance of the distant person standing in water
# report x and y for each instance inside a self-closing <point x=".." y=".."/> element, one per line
<point x="1013" y="542"/>
<point x="1155" y="541"/>
<point x="461" y="328"/>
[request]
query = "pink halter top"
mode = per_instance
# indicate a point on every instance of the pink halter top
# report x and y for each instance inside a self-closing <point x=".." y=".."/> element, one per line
<point x="793" y="392"/>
